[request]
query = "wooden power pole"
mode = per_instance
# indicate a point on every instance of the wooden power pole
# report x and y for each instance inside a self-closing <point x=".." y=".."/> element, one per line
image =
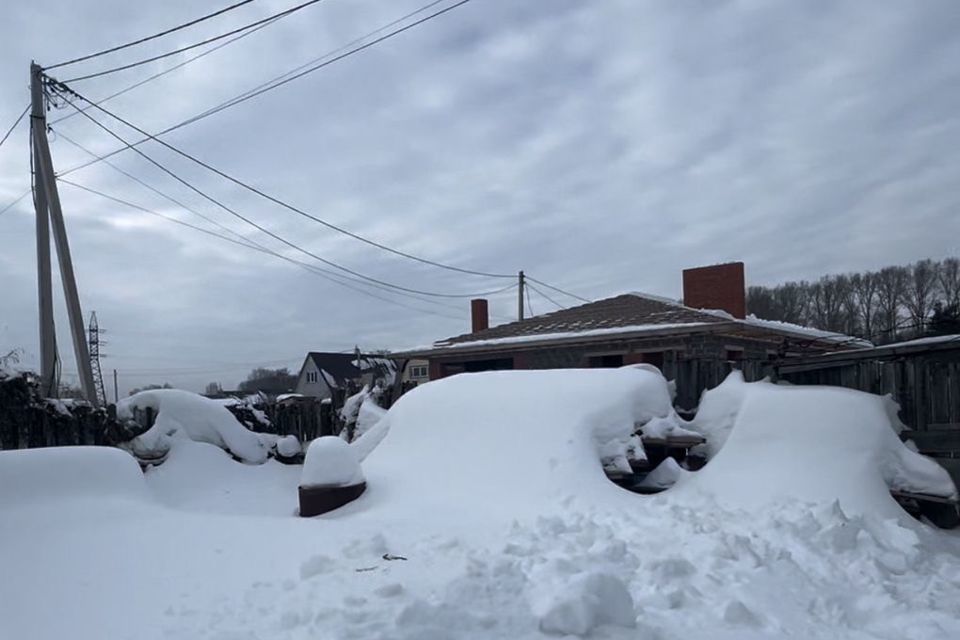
<point x="50" y="216"/>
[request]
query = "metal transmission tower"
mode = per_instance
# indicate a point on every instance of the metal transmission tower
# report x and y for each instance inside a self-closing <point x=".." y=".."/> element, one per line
<point x="93" y="333"/>
<point x="50" y="218"/>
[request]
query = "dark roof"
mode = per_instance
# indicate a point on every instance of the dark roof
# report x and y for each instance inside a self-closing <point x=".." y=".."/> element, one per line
<point x="338" y="365"/>
<point x="626" y="310"/>
<point x="631" y="316"/>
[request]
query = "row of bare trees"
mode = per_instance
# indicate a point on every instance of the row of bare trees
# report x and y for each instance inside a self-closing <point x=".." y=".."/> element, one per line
<point x="883" y="306"/>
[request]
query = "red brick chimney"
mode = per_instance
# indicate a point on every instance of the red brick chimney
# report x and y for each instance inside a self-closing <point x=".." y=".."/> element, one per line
<point x="721" y="286"/>
<point x="479" y="315"/>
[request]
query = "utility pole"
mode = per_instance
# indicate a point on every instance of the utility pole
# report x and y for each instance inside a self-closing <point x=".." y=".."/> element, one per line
<point x="48" y="336"/>
<point x="46" y="183"/>
<point x="116" y="389"/>
<point x="520" y="282"/>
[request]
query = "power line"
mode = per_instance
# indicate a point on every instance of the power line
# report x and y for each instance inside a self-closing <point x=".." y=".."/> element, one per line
<point x="244" y="241"/>
<point x="255" y="92"/>
<point x="276" y="80"/>
<point x="331" y="276"/>
<point x="179" y="65"/>
<point x="276" y="200"/>
<point x="151" y="188"/>
<point x="161" y="56"/>
<point x="558" y="290"/>
<point x="19" y="198"/>
<point x="259" y="227"/>
<point x="14" y="125"/>
<point x="559" y="306"/>
<point x="153" y="37"/>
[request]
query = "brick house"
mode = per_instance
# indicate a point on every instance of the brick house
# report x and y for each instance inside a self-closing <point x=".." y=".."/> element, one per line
<point x="696" y="343"/>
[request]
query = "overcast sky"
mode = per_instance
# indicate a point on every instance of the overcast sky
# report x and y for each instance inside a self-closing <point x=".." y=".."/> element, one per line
<point x="600" y="146"/>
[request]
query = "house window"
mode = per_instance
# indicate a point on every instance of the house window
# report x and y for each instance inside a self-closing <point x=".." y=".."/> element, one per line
<point x="418" y="371"/>
<point x="311" y="376"/>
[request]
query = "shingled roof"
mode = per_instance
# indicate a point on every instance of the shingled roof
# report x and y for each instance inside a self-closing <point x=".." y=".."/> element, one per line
<point x="630" y="310"/>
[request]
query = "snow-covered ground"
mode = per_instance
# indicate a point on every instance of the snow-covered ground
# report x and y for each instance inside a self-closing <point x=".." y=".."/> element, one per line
<point x="487" y="515"/>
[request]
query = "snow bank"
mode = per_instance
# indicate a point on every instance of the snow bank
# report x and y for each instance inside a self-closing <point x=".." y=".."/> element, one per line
<point x="370" y="413"/>
<point x="718" y="411"/>
<point x="522" y="439"/>
<point x="331" y="462"/>
<point x="584" y="603"/>
<point x="185" y="414"/>
<point x="32" y="476"/>
<point x="810" y="444"/>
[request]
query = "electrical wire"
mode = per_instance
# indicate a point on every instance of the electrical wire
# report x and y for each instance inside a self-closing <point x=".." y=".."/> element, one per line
<point x="255" y="91"/>
<point x="328" y="275"/>
<point x="558" y="290"/>
<point x="153" y="37"/>
<point x="179" y="65"/>
<point x="161" y="56"/>
<point x="281" y="79"/>
<point x="276" y="200"/>
<point x="559" y="306"/>
<point x="14" y="125"/>
<point x="263" y="229"/>
<point x="153" y="189"/>
<point x="244" y="241"/>
<point x="18" y="199"/>
<point x="529" y="305"/>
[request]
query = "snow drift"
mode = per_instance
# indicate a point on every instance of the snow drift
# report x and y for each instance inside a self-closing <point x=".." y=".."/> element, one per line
<point x="185" y="414"/>
<point x="508" y="443"/>
<point x="33" y="476"/>
<point x="781" y="444"/>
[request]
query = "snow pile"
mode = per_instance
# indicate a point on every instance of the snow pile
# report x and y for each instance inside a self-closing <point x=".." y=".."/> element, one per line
<point x="288" y="446"/>
<point x="584" y="603"/>
<point x="667" y="474"/>
<point x="189" y="415"/>
<point x="488" y="516"/>
<point x="810" y="444"/>
<point x="201" y="477"/>
<point x="718" y="411"/>
<point x="529" y="438"/>
<point x="32" y="476"/>
<point x="370" y="414"/>
<point x="331" y="462"/>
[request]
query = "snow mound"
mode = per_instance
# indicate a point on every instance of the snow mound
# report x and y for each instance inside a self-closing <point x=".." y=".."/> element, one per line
<point x="331" y="462"/>
<point x="369" y="415"/>
<point x="585" y="603"/>
<point x="526" y="439"/>
<point x="288" y="446"/>
<point x="718" y="411"/>
<point x="185" y="414"/>
<point x="201" y="477"/>
<point x="32" y="476"/>
<point x="667" y="474"/>
<point x="811" y="444"/>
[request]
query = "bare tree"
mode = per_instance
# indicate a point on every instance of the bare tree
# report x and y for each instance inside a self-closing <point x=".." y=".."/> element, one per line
<point x="920" y="292"/>
<point x="827" y="302"/>
<point x="864" y="289"/>
<point x="891" y="287"/>
<point x="948" y="277"/>
<point x="792" y="298"/>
